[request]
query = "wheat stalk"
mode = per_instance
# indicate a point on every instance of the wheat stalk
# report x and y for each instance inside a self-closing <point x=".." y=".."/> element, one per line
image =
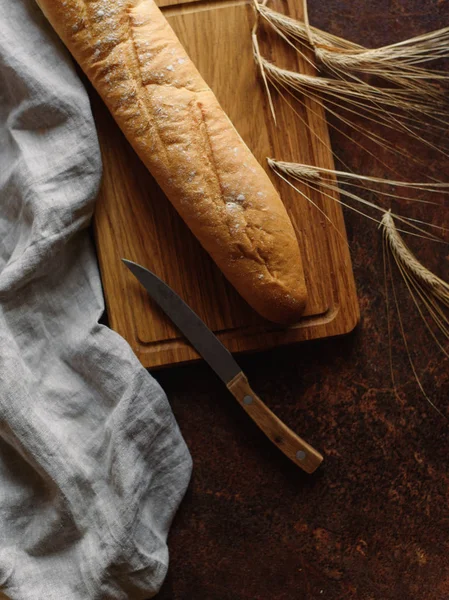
<point x="396" y="62"/>
<point x="437" y="288"/>
<point x="316" y="172"/>
<point x="297" y="30"/>
<point x="325" y="181"/>
<point x="427" y="290"/>
<point x="395" y="108"/>
<point x="354" y="104"/>
<point x="285" y="92"/>
<point x="412" y="100"/>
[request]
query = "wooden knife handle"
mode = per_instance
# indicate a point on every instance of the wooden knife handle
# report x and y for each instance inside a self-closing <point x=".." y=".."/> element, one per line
<point x="299" y="451"/>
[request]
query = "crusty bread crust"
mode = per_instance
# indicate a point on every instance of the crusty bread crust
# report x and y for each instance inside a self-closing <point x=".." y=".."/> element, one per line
<point x="174" y="122"/>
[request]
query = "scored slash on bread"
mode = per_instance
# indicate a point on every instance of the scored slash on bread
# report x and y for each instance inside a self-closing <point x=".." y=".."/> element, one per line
<point x="175" y="124"/>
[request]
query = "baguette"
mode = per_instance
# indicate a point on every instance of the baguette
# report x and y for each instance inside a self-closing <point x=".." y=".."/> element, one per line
<point x="175" y="124"/>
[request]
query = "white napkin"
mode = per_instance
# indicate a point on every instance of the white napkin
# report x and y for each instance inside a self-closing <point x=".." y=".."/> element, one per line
<point x="92" y="464"/>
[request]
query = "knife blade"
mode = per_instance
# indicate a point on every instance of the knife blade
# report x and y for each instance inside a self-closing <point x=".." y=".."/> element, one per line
<point x="222" y="362"/>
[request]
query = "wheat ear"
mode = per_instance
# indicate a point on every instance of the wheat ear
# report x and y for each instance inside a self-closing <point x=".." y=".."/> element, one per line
<point x="325" y="181"/>
<point x="396" y="109"/>
<point x="428" y="291"/>
<point x="437" y="288"/>
<point x="398" y="63"/>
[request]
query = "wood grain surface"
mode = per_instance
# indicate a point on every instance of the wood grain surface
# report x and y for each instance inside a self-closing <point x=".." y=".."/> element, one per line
<point x="134" y="220"/>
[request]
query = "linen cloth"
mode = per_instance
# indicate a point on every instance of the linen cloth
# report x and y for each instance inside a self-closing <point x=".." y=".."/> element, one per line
<point x="92" y="463"/>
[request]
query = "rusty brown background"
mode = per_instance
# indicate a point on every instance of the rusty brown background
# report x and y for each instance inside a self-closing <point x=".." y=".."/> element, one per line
<point x="373" y="522"/>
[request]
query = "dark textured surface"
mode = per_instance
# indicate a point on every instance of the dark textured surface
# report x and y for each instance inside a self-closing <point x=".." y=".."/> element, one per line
<point x="373" y="522"/>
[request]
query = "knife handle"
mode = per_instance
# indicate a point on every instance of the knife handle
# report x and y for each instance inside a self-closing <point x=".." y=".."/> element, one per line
<point x="299" y="451"/>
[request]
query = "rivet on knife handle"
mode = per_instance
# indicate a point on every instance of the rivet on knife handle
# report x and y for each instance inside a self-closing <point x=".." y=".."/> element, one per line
<point x="299" y="451"/>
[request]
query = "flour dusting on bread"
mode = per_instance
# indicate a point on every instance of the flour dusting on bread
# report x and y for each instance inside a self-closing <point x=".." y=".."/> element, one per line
<point x="176" y="125"/>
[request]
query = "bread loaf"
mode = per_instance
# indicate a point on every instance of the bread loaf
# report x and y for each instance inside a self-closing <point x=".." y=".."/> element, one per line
<point x="177" y="127"/>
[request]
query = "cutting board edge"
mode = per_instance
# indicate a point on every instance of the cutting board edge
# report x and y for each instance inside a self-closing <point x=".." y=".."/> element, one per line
<point x="342" y="321"/>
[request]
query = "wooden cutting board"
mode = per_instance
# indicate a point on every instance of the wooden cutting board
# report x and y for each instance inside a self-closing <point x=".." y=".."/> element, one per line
<point x="134" y="220"/>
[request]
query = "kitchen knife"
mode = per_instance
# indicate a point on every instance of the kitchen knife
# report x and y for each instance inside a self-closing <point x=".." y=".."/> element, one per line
<point x="224" y="365"/>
